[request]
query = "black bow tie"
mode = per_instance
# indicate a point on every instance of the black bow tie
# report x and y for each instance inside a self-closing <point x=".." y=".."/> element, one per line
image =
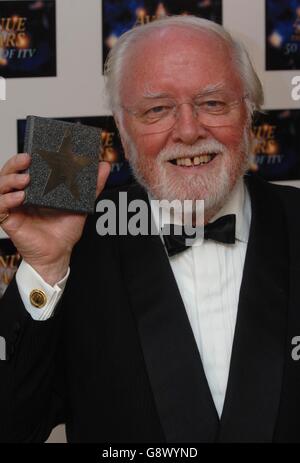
<point x="221" y="230"/>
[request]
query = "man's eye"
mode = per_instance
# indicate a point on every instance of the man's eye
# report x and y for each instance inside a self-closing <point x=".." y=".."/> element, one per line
<point x="214" y="104"/>
<point x="157" y="110"/>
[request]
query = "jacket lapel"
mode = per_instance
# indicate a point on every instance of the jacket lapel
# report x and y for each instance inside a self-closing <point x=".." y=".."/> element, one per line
<point x="255" y="378"/>
<point x="173" y="363"/>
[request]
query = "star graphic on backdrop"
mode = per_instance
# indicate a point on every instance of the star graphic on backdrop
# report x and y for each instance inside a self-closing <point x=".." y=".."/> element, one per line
<point x="64" y="166"/>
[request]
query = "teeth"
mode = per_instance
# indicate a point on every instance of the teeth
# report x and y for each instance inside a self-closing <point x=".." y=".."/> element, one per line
<point x="195" y="161"/>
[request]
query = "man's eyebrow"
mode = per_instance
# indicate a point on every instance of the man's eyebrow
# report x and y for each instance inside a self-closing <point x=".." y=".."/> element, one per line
<point x="152" y="95"/>
<point x="211" y="88"/>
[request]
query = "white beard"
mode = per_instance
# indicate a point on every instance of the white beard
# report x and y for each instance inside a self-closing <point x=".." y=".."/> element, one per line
<point x="157" y="178"/>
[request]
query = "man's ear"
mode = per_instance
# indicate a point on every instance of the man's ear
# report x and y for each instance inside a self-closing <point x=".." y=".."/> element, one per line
<point x="123" y="138"/>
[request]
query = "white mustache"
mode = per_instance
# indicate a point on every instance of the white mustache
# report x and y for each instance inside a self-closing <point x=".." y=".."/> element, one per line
<point x="201" y="147"/>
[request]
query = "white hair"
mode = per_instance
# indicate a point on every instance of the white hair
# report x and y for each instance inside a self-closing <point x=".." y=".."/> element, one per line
<point x="116" y="59"/>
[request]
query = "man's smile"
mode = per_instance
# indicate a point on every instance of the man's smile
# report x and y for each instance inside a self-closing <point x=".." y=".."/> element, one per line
<point x="196" y="160"/>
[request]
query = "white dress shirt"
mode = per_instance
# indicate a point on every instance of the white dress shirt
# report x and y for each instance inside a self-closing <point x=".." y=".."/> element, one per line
<point x="209" y="279"/>
<point x="28" y="279"/>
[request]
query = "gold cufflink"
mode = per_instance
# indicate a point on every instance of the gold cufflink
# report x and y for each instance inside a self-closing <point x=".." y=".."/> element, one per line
<point x="38" y="298"/>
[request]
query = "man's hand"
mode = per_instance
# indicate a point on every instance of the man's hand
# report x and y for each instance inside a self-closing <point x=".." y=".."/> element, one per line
<point x="44" y="237"/>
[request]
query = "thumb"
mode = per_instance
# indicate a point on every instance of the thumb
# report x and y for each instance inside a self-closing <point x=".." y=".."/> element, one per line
<point x="103" y="173"/>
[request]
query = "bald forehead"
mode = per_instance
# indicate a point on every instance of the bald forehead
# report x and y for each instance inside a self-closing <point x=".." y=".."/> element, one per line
<point x="177" y="41"/>
<point x="163" y="54"/>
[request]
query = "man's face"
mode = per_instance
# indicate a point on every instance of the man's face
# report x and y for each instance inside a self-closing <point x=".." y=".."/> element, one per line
<point x="177" y="65"/>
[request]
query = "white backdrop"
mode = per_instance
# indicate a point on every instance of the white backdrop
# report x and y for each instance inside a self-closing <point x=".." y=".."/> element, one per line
<point x="78" y="89"/>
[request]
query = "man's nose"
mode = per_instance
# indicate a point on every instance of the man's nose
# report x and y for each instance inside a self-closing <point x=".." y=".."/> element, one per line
<point x="187" y="128"/>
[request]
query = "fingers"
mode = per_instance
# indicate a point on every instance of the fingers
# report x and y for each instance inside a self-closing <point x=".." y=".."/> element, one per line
<point x="12" y="182"/>
<point x="11" y="179"/>
<point x="11" y="200"/>
<point x="15" y="164"/>
<point x="103" y="173"/>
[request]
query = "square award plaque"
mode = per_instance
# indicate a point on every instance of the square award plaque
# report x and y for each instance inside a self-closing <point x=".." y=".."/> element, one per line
<point x="64" y="167"/>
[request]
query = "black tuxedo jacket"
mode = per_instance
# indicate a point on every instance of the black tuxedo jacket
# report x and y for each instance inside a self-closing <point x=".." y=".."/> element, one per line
<point x="118" y="361"/>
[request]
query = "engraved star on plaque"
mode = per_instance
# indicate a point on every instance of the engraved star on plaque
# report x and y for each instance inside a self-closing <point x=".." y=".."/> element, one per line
<point x="64" y="166"/>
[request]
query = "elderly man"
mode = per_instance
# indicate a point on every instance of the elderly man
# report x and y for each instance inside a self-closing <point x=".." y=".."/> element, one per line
<point x="136" y="340"/>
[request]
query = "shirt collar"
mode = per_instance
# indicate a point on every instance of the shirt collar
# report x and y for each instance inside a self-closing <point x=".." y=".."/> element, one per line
<point x="238" y="203"/>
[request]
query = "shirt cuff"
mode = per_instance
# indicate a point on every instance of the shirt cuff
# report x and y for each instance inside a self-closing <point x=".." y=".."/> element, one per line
<point x="27" y="280"/>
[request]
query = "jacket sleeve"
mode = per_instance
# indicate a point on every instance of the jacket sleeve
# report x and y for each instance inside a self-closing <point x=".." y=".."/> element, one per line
<point x="32" y="378"/>
<point x="31" y="371"/>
